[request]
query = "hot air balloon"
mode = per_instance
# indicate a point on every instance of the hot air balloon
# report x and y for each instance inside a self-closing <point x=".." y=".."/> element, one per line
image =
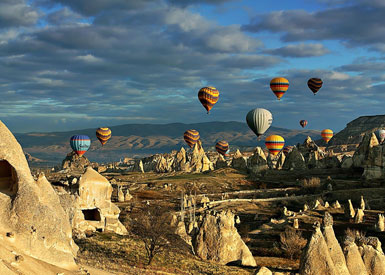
<point x="191" y="137"/>
<point x="103" y="135"/>
<point x="327" y="134"/>
<point x="259" y="120"/>
<point x="279" y="86"/>
<point x="287" y="149"/>
<point x="381" y="135"/>
<point x="275" y="144"/>
<point x="208" y="96"/>
<point x="314" y="84"/>
<point x="80" y="144"/>
<point x="303" y="123"/>
<point x="222" y="148"/>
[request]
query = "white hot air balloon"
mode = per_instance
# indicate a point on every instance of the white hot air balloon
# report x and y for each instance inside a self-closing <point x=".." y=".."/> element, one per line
<point x="259" y="120"/>
<point x="381" y="135"/>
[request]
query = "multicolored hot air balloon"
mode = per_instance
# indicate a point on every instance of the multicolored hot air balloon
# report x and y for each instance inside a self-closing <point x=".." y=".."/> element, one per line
<point x="191" y="137"/>
<point x="327" y="134"/>
<point x="275" y="144"/>
<point x="314" y="84"/>
<point x="303" y="123"/>
<point x="222" y="148"/>
<point x="259" y="120"/>
<point x="80" y="144"/>
<point x="208" y="96"/>
<point x="103" y="135"/>
<point x="279" y="86"/>
<point x="381" y="135"/>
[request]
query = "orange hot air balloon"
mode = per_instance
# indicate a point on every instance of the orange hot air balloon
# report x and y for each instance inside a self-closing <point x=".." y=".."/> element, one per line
<point x="103" y="134"/>
<point x="208" y="96"/>
<point x="303" y="123"/>
<point x="275" y="144"/>
<point x="326" y="135"/>
<point x="279" y="86"/>
<point x="191" y="137"/>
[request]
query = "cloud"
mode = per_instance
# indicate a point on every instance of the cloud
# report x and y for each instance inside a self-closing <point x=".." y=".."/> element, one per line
<point x="360" y="24"/>
<point x="17" y="13"/>
<point x="300" y="50"/>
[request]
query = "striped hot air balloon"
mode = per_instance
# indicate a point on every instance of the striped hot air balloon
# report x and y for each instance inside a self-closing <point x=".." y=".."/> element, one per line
<point x="80" y="144"/>
<point x="326" y="135"/>
<point x="191" y="137"/>
<point x="314" y="84"/>
<point x="275" y="144"/>
<point x="103" y="134"/>
<point x="208" y="96"/>
<point x="222" y="148"/>
<point x="303" y="123"/>
<point x="279" y="86"/>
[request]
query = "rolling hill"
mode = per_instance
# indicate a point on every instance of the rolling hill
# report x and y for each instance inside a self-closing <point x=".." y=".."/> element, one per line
<point x="133" y="140"/>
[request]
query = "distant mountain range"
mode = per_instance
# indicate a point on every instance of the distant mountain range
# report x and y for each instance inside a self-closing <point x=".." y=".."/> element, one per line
<point x="137" y="140"/>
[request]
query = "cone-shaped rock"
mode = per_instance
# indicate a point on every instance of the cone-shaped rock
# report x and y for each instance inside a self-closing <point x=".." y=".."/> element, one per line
<point x="294" y="160"/>
<point x="353" y="257"/>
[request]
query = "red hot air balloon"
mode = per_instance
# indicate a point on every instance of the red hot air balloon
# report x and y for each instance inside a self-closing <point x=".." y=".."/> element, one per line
<point x="303" y="123"/>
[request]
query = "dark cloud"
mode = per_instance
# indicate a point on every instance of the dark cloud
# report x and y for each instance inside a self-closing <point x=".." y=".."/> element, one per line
<point x="300" y="50"/>
<point x="355" y="25"/>
<point x="17" y="13"/>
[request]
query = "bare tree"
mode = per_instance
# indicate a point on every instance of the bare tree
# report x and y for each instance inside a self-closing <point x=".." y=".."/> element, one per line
<point x="152" y="226"/>
<point x="292" y="242"/>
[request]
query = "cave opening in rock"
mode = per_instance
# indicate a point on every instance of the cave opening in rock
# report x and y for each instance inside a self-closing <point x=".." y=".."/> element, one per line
<point x="91" y="214"/>
<point x="8" y="179"/>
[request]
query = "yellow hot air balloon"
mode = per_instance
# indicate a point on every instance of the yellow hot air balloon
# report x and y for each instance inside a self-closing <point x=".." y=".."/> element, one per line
<point x="279" y="86"/>
<point x="275" y="144"/>
<point x="327" y="134"/>
<point x="103" y="134"/>
<point x="208" y="96"/>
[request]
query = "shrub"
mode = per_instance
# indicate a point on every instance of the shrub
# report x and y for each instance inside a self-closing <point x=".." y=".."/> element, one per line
<point x="292" y="242"/>
<point x="313" y="182"/>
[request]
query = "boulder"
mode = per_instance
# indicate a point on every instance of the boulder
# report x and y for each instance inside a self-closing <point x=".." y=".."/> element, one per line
<point x="263" y="271"/>
<point x="294" y="160"/>
<point x="218" y="240"/>
<point x="30" y="212"/>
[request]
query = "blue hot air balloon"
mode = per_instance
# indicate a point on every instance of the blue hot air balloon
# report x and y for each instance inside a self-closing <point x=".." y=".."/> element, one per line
<point x="80" y="144"/>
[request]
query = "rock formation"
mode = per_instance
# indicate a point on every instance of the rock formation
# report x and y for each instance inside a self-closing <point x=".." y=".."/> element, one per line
<point x="316" y="259"/>
<point x="334" y="247"/>
<point x="32" y="217"/>
<point x="221" y="162"/>
<point x="294" y="160"/>
<point x="239" y="161"/>
<point x="91" y="205"/>
<point x="380" y="225"/>
<point x="75" y="164"/>
<point x="353" y="257"/>
<point x="257" y="162"/>
<point x="218" y="240"/>
<point x="359" y="218"/>
<point x="373" y="257"/>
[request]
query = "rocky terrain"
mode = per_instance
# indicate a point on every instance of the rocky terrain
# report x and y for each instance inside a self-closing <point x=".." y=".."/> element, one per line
<point x="312" y="210"/>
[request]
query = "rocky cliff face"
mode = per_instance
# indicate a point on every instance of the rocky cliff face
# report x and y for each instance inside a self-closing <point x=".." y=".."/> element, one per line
<point x="356" y="130"/>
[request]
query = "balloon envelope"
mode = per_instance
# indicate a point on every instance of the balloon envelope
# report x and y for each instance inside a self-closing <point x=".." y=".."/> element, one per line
<point x="303" y="123"/>
<point x="381" y="135"/>
<point x="314" y="84"/>
<point x="326" y="135"/>
<point x="80" y="144"/>
<point x="275" y="144"/>
<point x="222" y="147"/>
<point x="103" y="134"/>
<point x="208" y="96"/>
<point x="279" y="86"/>
<point x="259" y="120"/>
<point x="191" y="137"/>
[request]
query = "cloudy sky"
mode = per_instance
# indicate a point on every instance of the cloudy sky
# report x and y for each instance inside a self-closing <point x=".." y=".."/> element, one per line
<point x="74" y="64"/>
